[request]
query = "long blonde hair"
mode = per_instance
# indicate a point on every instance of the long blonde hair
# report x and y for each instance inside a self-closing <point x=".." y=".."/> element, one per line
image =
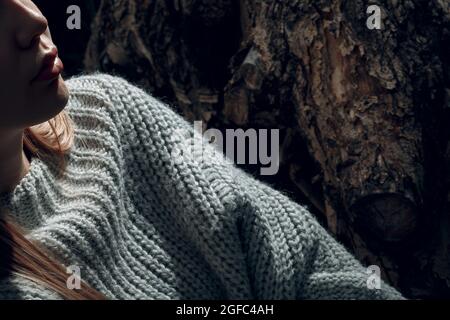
<point x="19" y="255"/>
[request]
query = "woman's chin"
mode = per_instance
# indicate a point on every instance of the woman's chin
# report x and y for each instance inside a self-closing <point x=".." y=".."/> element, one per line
<point x="62" y="93"/>
<point x="50" y="101"/>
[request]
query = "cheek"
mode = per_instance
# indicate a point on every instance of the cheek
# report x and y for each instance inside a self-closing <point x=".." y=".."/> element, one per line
<point x="12" y="92"/>
<point x="9" y="62"/>
<point x="23" y="104"/>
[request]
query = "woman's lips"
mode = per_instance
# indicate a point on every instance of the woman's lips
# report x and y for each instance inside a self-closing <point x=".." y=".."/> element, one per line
<point x="50" y="71"/>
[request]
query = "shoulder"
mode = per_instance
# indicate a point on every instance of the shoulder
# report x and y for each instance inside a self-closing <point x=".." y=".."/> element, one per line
<point x="100" y="86"/>
<point x="96" y="81"/>
<point x="122" y="97"/>
<point x="101" y="102"/>
<point x="110" y="87"/>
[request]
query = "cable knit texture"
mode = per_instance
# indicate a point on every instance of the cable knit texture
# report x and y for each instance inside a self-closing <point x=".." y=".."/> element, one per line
<point x="144" y="218"/>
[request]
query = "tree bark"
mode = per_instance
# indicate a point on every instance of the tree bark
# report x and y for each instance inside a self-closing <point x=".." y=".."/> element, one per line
<point x="362" y="113"/>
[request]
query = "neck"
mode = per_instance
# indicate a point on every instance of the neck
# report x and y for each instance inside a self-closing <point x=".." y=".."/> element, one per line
<point x="14" y="164"/>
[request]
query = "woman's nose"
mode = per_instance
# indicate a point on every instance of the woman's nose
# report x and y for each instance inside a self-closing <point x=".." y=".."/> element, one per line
<point x="31" y="25"/>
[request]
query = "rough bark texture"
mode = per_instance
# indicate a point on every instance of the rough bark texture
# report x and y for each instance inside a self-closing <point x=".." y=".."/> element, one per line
<point x="363" y="113"/>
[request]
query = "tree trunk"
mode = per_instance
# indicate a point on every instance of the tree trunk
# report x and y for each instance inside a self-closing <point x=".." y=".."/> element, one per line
<point x="362" y="113"/>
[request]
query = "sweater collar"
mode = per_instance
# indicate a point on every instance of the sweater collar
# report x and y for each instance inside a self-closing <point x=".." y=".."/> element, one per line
<point x="24" y="202"/>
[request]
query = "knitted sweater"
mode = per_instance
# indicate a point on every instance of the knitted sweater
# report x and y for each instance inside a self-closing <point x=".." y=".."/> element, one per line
<point x="144" y="220"/>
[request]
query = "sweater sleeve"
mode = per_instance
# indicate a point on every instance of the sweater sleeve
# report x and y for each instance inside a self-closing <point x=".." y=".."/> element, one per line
<point x="308" y="255"/>
<point x="260" y="243"/>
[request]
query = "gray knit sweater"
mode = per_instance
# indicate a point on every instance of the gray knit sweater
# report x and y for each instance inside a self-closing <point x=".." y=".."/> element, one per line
<point x="143" y="220"/>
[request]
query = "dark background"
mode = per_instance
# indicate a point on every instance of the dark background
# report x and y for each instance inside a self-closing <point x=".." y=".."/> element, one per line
<point x="71" y="43"/>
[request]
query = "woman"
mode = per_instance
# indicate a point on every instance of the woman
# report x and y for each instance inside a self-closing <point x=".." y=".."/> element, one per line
<point x="94" y="179"/>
